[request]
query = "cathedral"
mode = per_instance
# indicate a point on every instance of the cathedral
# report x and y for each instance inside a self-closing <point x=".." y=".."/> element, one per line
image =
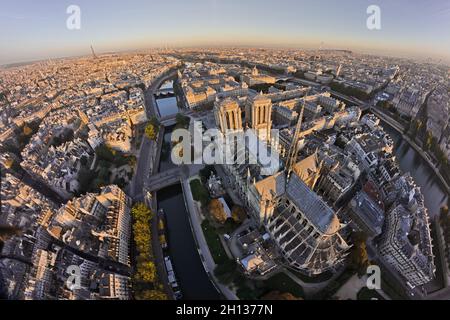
<point x="304" y="228"/>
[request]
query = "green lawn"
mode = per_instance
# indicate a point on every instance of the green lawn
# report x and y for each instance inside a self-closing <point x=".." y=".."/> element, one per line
<point x="199" y="192"/>
<point x="226" y="268"/>
<point x="215" y="245"/>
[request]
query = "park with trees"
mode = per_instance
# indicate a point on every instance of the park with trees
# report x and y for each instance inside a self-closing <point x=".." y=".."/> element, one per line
<point x="146" y="284"/>
<point x="107" y="160"/>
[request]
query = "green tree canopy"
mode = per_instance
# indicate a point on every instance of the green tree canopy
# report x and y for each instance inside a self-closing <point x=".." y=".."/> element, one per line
<point x="151" y="132"/>
<point x="7" y="232"/>
<point x="151" y="295"/>
<point x="359" y="257"/>
<point x="182" y="121"/>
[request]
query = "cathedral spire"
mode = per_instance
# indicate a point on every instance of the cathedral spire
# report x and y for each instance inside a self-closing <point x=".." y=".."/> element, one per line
<point x="293" y="150"/>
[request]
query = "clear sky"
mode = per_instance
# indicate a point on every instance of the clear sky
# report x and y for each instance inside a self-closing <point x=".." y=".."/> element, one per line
<point x="36" y="29"/>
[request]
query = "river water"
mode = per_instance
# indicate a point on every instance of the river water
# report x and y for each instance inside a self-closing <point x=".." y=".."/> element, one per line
<point x="167" y="106"/>
<point x="192" y="277"/>
<point x="411" y="161"/>
<point x="190" y="273"/>
<point x="434" y="193"/>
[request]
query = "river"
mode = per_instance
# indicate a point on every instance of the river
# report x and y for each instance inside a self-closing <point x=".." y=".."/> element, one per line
<point x="411" y="161"/>
<point x="434" y="193"/>
<point x="192" y="277"/>
<point x="166" y="163"/>
<point x="167" y="106"/>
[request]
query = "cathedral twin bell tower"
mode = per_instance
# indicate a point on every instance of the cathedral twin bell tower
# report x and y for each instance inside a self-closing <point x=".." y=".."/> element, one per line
<point x="258" y="115"/>
<point x="228" y="115"/>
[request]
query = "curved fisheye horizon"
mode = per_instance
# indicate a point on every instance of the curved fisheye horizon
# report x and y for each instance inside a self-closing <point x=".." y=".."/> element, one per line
<point x="38" y="30"/>
<point x="213" y="157"/>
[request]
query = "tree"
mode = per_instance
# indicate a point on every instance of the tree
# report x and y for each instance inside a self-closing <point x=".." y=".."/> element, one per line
<point x="217" y="211"/>
<point x="146" y="271"/>
<point x="359" y="257"/>
<point x="199" y="192"/>
<point x="205" y="173"/>
<point x="141" y="212"/>
<point x="84" y="160"/>
<point x="155" y="122"/>
<point x="7" y="232"/>
<point x="244" y="292"/>
<point x="85" y="178"/>
<point x="443" y="216"/>
<point x="142" y="238"/>
<point x="104" y="153"/>
<point x="415" y="127"/>
<point x="150" y="132"/>
<point x="238" y="214"/>
<point x="141" y="229"/>
<point x="27" y="130"/>
<point x="428" y="140"/>
<point x="182" y="121"/>
<point x="384" y="104"/>
<point x="145" y="275"/>
<point x="226" y="272"/>
<point x="350" y="91"/>
<point x="151" y="295"/>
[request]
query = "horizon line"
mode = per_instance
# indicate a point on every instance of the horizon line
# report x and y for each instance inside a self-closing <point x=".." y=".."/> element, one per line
<point x="19" y="63"/>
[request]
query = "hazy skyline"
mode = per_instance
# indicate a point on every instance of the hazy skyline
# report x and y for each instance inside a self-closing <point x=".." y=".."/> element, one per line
<point x="33" y="30"/>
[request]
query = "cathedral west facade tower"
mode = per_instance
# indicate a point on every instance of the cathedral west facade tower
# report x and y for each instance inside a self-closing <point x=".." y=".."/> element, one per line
<point x="258" y="116"/>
